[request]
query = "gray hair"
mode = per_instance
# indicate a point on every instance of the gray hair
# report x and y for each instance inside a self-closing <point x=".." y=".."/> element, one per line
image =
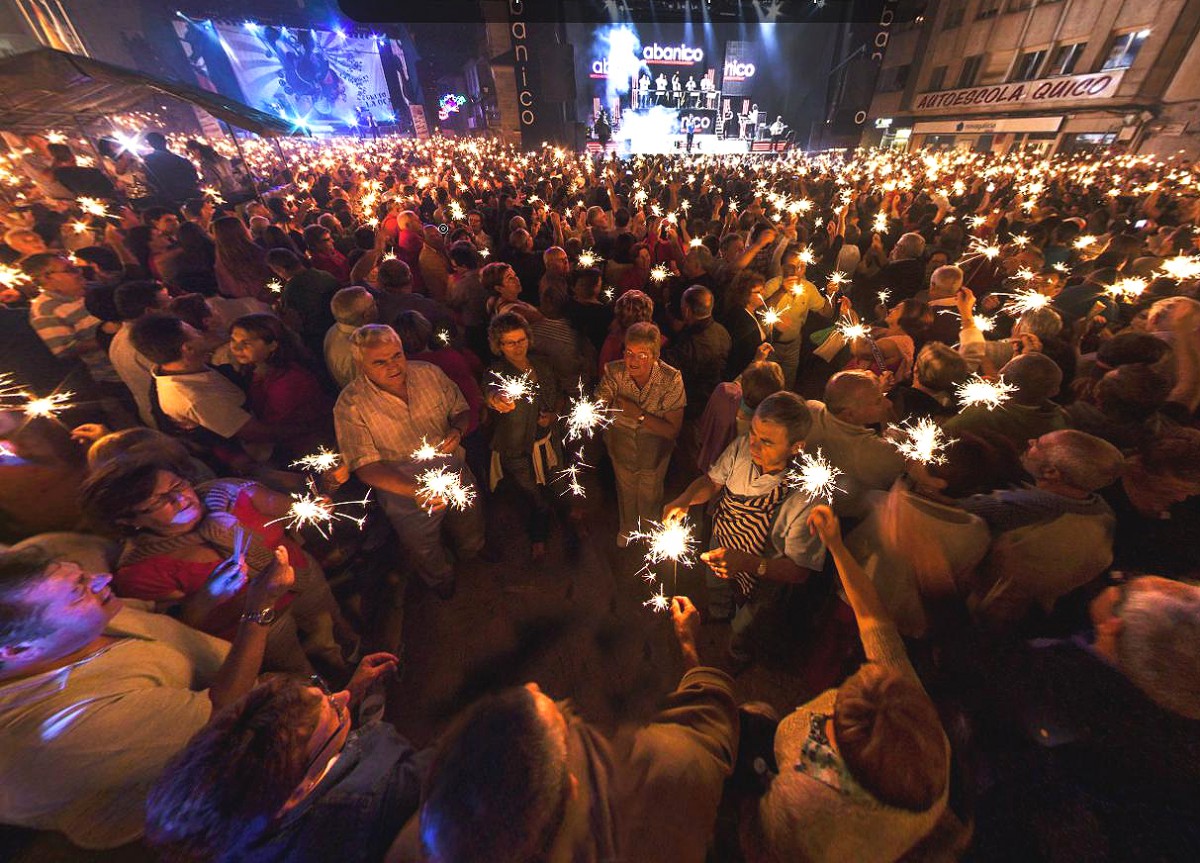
<point x="910" y="245"/>
<point x="644" y="333"/>
<point x="370" y="335"/>
<point x="1158" y="646"/>
<point x="940" y="368"/>
<point x="348" y="305"/>
<point x="1045" y="323"/>
<point x="1084" y="461"/>
<point x="945" y="281"/>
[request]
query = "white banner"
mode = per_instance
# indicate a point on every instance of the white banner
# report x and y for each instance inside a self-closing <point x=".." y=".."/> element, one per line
<point x="1022" y="94"/>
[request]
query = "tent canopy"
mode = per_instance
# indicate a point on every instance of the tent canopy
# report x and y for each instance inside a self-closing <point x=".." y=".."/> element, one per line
<point x="44" y="88"/>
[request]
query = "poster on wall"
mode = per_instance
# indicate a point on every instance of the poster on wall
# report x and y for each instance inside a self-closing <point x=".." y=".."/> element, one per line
<point x="321" y="79"/>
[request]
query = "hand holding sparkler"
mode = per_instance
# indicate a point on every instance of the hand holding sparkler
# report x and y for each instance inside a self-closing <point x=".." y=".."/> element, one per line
<point x="826" y="526"/>
<point x="724" y="562"/>
<point x="685" y="618"/>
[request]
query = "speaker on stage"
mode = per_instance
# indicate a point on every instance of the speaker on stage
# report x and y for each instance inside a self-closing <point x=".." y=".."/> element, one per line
<point x="557" y="67"/>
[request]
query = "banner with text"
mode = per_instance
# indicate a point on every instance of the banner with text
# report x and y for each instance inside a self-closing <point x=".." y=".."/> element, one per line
<point x="1022" y="94"/>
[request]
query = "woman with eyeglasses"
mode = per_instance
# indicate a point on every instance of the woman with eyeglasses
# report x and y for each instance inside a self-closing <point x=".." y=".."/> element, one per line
<point x="288" y="773"/>
<point x="182" y="542"/>
<point x="647" y="399"/>
<point x="522" y="449"/>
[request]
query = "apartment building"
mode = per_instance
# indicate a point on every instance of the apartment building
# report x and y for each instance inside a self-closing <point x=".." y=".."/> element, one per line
<point x="1049" y="75"/>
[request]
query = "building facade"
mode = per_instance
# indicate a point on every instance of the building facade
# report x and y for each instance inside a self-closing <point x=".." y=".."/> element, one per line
<point x="1056" y="76"/>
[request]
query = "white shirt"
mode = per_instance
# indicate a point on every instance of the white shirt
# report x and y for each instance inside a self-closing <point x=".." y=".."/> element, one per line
<point x="205" y="399"/>
<point x="134" y="371"/>
<point x="80" y="747"/>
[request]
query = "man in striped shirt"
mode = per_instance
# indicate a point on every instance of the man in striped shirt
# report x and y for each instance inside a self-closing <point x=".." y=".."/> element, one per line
<point x="61" y="319"/>
<point x="383" y="416"/>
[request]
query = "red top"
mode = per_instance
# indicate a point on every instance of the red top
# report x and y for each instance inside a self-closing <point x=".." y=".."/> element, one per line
<point x="290" y="395"/>
<point x="335" y="264"/>
<point x="155" y="578"/>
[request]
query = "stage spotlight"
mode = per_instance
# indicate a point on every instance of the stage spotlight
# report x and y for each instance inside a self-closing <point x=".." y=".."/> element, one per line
<point x="341" y="34"/>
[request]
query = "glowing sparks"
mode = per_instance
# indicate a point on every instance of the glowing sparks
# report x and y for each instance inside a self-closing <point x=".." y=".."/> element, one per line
<point x="1026" y="275"/>
<point x="275" y="286"/>
<point x="807" y="257"/>
<point x="695" y="243"/>
<point x="658" y="601"/>
<point x="609" y="294"/>
<point x="979" y="248"/>
<point x="884" y="295"/>
<point x="852" y="330"/>
<point x="426" y="452"/>
<point x="659" y="273"/>
<point x="585" y="417"/>
<point x="444" y="484"/>
<point x="976" y="222"/>
<point x="46" y="407"/>
<point x="1085" y="241"/>
<point x="443" y="336"/>
<point x="769" y="316"/>
<point x="11" y="277"/>
<point x="1127" y="289"/>
<point x="571" y="475"/>
<point x="80" y="227"/>
<point x="587" y="259"/>
<point x="485" y="253"/>
<point x="320" y="461"/>
<point x="311" y="508"/>
<point x="1025" y="301"/>
<point x="212" y="194"/>
<point x="456" y="211"/>
<point x="1181" y="267"/>
<point x="815" y="476"/>
<point x="880" y="223"/>
<point x="515" y="387"/>
<point x="922" y="441"/>
<point x="1019" y="240"/>
<point x="983" y="323"/>
<point x="977" y="390"/>
<point x="837" y="279"/>
<point x="673" y="541"/>
<point x="93" y="207"/>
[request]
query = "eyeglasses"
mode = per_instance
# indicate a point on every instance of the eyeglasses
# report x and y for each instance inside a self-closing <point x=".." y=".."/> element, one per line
<point x="343" y="717"/>
<point x="639" y="356"/>
<point x="178" y="490"/>
<point x="514" y="343"/>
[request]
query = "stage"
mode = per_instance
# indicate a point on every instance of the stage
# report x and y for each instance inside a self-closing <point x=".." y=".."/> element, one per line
<point x="676" y="144"/>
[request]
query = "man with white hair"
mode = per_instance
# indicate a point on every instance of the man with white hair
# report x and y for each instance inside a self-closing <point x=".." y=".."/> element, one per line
<point x="1049" y="538"/>
<point x="352" y="308"/>
<point x="383" y="416"/>
<point x="904" y="273"/>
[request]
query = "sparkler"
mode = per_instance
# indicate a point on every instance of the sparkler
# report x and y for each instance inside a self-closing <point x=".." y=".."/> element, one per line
<point x="456" y="211"/>
<point x="571" y="475"/>
<point x="922" y="441"/>
<point x="321" y="461"/>
<point x="977" y="390"/>
<point x="673" y="541"/>
<point x="1085" y="241"/>
<point x="585" y="416"/>
<point x="47" y="407"/>
<point x="1025" y="301"/>
<point x="275" y="286"/>
<point x="658" y="601"/>
<point x="1019" y="240"/>
<point x="1129" y="288"/>
<point x="815" y="476"/>
<point x="1181" y="267"/>
<point x="443" y="336"/>
<point x="93" y="207"/>
<point x="313" y="508"/>
<point x="983" y="323"/>
<point x="426" y="452"/>
<point x="695" y="243"/>
<point x="444" y="484"/>
<point x="659" y="273"/>
<point x="485" y="253"/>
<point x="838" y="278"/>
<point x="515" y="387"/>
<point x="609" y="293"/>
<point x="806" y="256"/>
<point x="880" y="223"/>
<point x="11" y="277"/>
<point x="213" y="194"/>
<point x="771" y="315"/>
<point x="883" y="296"/>
<point x="975" y="222"/>
<point x="587" y="259"/>
<point x="852" y="330"/>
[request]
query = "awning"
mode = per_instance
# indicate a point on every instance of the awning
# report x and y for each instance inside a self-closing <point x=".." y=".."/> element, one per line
<point x="44" y="89"/>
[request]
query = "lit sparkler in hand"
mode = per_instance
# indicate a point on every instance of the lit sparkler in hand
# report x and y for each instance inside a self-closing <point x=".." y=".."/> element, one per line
<point x="93" y="207"/>
<point x="658" y="601"/>
<point x="426" y="452"/>
<point x="1181" y="267"/>
<point x="769" y="316"/>
<point x="815" y="476"/>
<point x="446" y="485"/>
<point x="976" y="222"/>
<point x="659" y="273"/>
<point x="47" y="407"/>
<point x="321" y="461"/>
<point x="1085" y="241"/>
<point x="884" y="296"/>
<point x="980" y="391"/>
<point x="585" y="417"/>
<point x="922" y="441"/>
<point x="571" y="475"/>
<point x="807" y="257"/>
<point x="515" y="387"/>
<point x="1129" y="288"/>
<point x="275" y="286"/>
<point x="12" y="277"/>
<point x="984" y="324"/>
<point x="317" y="510"/>
<point x="672" y="541"/>
<point x="837" y="279"/>
<point x="880" y="223"/>
<point x="852" y="330"/>
<point x="587" y="259"/>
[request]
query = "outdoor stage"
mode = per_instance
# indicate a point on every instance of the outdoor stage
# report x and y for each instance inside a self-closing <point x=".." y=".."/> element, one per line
<point x="702" y="144"/>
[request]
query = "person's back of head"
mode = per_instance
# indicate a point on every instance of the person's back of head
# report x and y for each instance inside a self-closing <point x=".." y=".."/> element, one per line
<point x="155" y="140"/>
<point x="61" y="154"/>
<point x="1036" y="377"/>
<point x="498" y="787"/>
<point x="585" y="282"/>
<point x="285" y="260"/>
<point x="134" y="299"/>
<point x="1132" y="392"/>
<point x="1131" y="347"/>
<point x="698" y="302"/>
<point x="890" y="737"/>
<point x="760" y="379"/>
<point x="1075" y="459"/>
<point x="393" y="276"/>
<point x="909" y="246"/>
<point x="415" y="331"/>
<point x="159" y="338"/>
<point x="464" y="256"/>
<point x="235" y="774"/>
<point x="554" y="303"/>
<point x="945" y="281"/>
<point x="847" y="388"/>
<point x="939" y="368"/>
<point x="353" y="306"/>
<point x="1158" y="643"/>
<point x="1045" y="323"/>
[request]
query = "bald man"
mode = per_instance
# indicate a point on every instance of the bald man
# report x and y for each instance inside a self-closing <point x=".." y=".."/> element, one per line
<point x="1028" y="414"/>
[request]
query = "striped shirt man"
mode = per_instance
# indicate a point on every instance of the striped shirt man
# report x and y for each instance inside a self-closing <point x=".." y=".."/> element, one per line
<point x="70" y="331"/>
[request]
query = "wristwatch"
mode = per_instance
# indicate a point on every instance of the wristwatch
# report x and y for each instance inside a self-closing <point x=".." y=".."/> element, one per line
<point x="263" y="617"/>
<point x="641" y="418"/>
<point x="761" y="572"/>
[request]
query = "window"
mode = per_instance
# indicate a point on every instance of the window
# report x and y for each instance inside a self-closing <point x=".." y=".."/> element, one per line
<point x="937" y="78"/>
<point x="893" y="78"/>
<point x="970" y="70"/>
<point x="954" y="18"/>
<point x="1064" y="59"/>
<point x="1124" y="50"/>
<point x="1019" y="5"/>
<point x="1028" y="65"/>
<point x="988" y="9"/>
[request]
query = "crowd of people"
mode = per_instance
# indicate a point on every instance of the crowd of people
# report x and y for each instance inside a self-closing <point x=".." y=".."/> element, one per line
<point x="994" y="359"/>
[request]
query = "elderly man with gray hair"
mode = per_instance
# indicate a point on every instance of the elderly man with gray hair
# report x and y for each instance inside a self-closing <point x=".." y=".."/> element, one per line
<point x="393" y="408"/>
<point x="352" y="308"/>
<point x="904" y="273"/>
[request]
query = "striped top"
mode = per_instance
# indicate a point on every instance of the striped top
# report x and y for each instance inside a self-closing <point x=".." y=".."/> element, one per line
<point x="70" y="331"/>
<point x="374" y="425"/>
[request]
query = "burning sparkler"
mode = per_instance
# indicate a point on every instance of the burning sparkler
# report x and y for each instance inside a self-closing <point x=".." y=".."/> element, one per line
<point x="815" y="476"/>
<point x="321" y="461"/>
<point x="93" y="207"/>
<point x="852" y="330"/>
<point x="1025" y="301"/>
<point x="983" y="323"/>
<point x="673" y="541"/>
<point x="11" y="277"/>
<point x="47" y="407"/>
<point x="837" y="279"/>
<point x="884" y="295"/>
<point x="426" y="452"/>
<point x="659" y="273"/>
<point x="515" y="387"/>
<point x="585" y="417"/>
<point x="977" y="390"/>
<point x="922" y="441"/>
<point x="771" y="315"/>
<point x="695" y="243"/>
<point x="807" y="257"/>
<point x="1181" y="267"/>
<point x="1129" y="288"/>
<point x="658" y="601"/>
<point x="275" y="286"/>
<point x="444" y="484"/>
<point x="571" y="475"/>
<point x="313" y="508"/>
<point x="880" y="223"/>
<point x="443" y="336"/>
<point x="587" y="259"/>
